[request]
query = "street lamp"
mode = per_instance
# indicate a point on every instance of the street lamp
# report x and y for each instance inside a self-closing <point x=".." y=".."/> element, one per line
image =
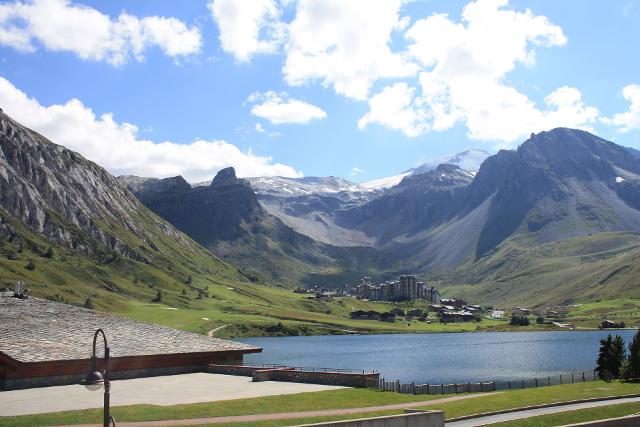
<point x="94" y="380"/>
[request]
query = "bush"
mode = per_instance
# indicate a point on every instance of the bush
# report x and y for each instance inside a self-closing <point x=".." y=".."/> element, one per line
<point x="519" y="321"/>
<point x="540" y="320"/>
<point x="30" y="265"/>
<point x="88" y="304"/>
<point x="49" y="253"/>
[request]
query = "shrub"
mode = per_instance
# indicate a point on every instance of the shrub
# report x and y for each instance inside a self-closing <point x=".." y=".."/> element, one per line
<point x="519" y="321"/>
<point x="30" y="265"/>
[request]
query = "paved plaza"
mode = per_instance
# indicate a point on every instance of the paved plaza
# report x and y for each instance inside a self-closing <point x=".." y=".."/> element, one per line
<point x="164" y="391"/>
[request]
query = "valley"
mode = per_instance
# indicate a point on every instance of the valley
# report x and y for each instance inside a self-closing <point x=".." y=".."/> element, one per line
<point x="553" y="226"/>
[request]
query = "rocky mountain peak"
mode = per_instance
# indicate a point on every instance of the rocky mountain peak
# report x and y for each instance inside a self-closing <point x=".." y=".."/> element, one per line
<point x="226" y="176"/>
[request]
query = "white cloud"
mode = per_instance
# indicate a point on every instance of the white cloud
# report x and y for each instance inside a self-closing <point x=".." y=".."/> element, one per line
<point x="60" y="25"/>
<point x="628" y="120"/>
<point x="248" y="27"/>
<point x="463" y="80"/>
<point x="344" y="44"/>
<point x="118" y="148"/>
<point x="394" y="108"/>
<point x="356" y="171"/>
<point x="279" y="108"/>
<point x="259" y="128"/>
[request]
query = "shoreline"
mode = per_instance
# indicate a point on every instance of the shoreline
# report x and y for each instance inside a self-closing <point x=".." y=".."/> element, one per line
<point x="528" y="330"/>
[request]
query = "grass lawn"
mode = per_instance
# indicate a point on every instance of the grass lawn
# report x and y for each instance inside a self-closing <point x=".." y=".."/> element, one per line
<point x="348" y="398"/>
<point x="536" y="396"/>
<point x="579" y="416"/>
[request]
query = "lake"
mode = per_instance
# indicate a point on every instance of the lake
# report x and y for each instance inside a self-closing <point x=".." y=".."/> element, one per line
<point x="442" y="358"/>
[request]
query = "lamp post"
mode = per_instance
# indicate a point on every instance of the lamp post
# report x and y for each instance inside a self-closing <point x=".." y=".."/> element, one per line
<point x="95" y="379"/>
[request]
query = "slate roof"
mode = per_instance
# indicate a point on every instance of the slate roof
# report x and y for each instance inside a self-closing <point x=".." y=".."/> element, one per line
<point x="38" y="330"/>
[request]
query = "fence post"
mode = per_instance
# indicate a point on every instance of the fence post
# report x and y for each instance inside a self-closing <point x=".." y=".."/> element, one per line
<point x="536" y="383"/>
<point x="481" y="387"/>
<point x="571" y="378"/>
<point x="560" y="378"/>
<point x="398" y="386"/>
<point x="522" y="383"/>
<point x="413" y="387"/>
<point x="427" y="388"/>
<point x="509" y="384"/>
<point x="455" y="387"/>
<point x="583" y="380"/>
<point x="548" y="380"/>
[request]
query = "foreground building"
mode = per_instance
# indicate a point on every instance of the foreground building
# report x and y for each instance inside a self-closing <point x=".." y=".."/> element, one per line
<point x="48" y="343"/>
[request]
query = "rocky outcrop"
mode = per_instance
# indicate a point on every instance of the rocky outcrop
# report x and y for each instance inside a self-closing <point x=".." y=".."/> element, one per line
<point x="72" y="201"/>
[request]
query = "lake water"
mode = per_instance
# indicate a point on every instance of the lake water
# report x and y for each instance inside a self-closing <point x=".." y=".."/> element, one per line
<point x="442" y="358"/>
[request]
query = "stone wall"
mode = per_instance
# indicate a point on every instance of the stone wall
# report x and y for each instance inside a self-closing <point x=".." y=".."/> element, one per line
<point x="418" y="419"/>
<point x="325" y="378"/>
<point x="287" y="374"/>
<point x="241" y="370"/>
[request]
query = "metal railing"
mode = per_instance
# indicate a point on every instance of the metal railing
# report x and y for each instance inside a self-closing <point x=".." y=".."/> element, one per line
<point x="316" y="369"/>
<point x="480" y="387"/>
<point x="571" y="378"/>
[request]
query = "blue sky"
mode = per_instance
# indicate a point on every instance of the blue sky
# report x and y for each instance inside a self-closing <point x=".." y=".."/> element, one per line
<point x="314" y="87"/>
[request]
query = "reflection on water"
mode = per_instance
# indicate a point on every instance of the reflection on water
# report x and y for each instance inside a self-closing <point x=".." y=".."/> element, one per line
<point x="438" y="358"/>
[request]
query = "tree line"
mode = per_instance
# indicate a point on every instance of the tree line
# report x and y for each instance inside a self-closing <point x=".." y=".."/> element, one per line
<point x="615" y="362"/>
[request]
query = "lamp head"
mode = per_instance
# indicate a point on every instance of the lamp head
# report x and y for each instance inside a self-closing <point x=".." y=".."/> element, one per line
<point x="93" y="381"/>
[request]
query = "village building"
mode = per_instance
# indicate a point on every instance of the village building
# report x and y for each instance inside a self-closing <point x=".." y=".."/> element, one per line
<point x="456" y="316"/>
<point x="48" y="343"/>
<point x="364" y="315"/>
<point x="497" y="314"/>
<point x="521" y="311"/>
<point x="407" y="288"/>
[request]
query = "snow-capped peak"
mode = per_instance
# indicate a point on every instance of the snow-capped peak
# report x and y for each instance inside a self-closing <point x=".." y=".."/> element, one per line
<point x="468" y="160"/>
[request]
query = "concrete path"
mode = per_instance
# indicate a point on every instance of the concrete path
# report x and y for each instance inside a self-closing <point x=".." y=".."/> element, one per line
<point x="510" y="416"/>
<point x="163" y="391"/>
<point x="288" y="415"/>
<point x="213" y="331"/>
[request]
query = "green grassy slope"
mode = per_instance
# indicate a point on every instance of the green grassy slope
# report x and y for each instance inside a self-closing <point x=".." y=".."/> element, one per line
<point x="601" y="267"/>
<point x="199" y="292"/>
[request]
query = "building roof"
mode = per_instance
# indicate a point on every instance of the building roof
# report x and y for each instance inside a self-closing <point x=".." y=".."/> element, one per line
<point x="38" y="330"/>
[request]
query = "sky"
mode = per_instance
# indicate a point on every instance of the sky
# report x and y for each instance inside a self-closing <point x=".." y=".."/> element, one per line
<point x="359" y="89"/>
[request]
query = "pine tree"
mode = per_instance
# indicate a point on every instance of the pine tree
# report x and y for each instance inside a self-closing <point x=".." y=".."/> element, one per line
<point x="604" y="357"/>
<point x="633" y="367"/>
<point x="610" y="357"/>
<point x="619" y="353"/>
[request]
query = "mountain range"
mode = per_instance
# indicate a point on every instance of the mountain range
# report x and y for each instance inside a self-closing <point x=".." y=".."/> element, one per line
<point x="564" y="202"/>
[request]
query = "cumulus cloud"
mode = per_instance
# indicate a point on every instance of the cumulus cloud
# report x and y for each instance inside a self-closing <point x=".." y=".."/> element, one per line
<point x="280" y="108"/>
<point x="345" y="45"/>
<point x="342" y="44"/>
<point x="118" y="147"/>
<point x="463" y="78"/>
<point x="395" y="107"/>
<point x="59" y="25"/>
<point x="248" y="27"/>
<point x="628" y="120"/>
